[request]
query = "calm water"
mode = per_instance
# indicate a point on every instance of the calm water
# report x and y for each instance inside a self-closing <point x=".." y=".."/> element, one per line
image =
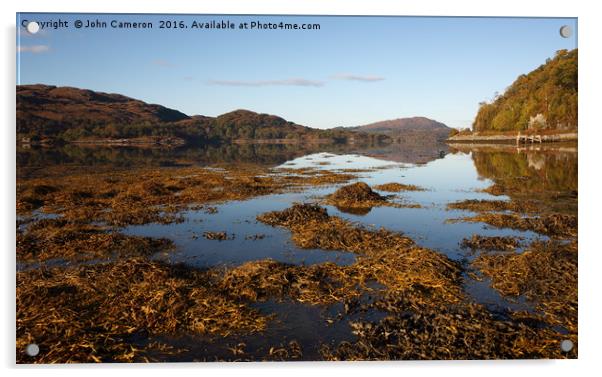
<point x="452" y="178"/>
<point x="447" y="174"/>
<point x="449" y="179"/>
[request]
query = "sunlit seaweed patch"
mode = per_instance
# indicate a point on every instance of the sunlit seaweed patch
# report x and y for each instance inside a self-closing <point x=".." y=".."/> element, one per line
<point x="494" y="205"/>
<point x="553" y="225"/>
<point x="157" y="195"/>
<point x="430" y="316"/>
<point x="477" y="242"/>
<point x="546" y="273"/>
<point x="398" y="187"/>
<point x="58" y="238"/>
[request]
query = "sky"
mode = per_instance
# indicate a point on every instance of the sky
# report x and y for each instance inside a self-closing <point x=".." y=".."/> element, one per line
<point x="351" y="71"/>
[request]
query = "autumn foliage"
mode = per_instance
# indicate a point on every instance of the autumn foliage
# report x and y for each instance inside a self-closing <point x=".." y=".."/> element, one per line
<point x="546" y="98"/>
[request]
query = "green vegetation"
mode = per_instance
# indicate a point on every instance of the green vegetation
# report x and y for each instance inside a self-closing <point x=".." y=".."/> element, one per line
<point x="247" y="125"/>
<point x="50" y="114"/>
<point x="546" y="98"/>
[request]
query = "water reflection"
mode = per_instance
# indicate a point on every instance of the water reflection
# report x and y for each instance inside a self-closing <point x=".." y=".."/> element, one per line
<point x="458" y="176"/>
<point x="545" y="173"/>
<point x="41" y="161"/>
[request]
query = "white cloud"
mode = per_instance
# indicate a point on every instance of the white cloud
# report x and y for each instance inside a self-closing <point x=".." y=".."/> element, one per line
<point x="285" y="82"/>
<point x="35" y="49"/>
<point x="350" y="77"/>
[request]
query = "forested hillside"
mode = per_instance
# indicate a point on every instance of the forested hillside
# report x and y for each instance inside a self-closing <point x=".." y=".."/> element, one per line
<point x="544" y="99"/>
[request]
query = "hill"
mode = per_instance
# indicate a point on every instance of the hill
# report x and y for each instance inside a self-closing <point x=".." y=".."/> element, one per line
<point x="65" y="114"/>
<point x="544" y="99"/>
<point x="248" y="125"/>
<point x="406" y="129"/>
<point x="50" y="111"/>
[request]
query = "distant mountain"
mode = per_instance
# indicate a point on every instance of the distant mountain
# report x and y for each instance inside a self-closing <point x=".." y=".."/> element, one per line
<point x="65" y="114"/>
<point x="407" y="128"/>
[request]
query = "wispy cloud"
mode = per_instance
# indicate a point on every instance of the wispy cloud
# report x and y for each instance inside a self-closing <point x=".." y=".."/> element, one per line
<point x="35" y="49"/>
<point x="162" y="63"/>
<point x="362" y="78"/>
<point x="284" y="82"/>
<point x="188" y="78"/>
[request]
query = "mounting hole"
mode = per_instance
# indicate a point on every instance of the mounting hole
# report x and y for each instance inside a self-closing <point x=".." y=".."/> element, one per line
<point x="33" y="27"/>
<point x="566" y="31"/>
<point x="566" y="345"/>
<point x="32" y="349"/>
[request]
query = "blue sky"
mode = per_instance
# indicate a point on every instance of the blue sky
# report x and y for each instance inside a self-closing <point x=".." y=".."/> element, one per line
<point x="353" y="71"/>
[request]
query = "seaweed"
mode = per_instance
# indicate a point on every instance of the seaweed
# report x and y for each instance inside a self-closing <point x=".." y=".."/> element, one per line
<point x="553" y="225"/>
<point x="219" y="236"/>
<point x="144" y="196"/>
<point x="89" y="313"/>
<point x="398" y="187"/>
<point x="48" y="239"/>
<point x="429" y="314"/>
<point x="448" y="332"/>
<point x="546" y="273"/>
<point x="478" y="242"/>
<point x="494" y="205"/>
<point x="354" y="193"/>
<point x="359" y="198"/>
<point x="386" y="257"/>
<point x="94" y="312"/>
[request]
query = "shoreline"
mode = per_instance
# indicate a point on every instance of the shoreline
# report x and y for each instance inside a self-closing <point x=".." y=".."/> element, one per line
<point x="525" y="138"/>
<point x="176" y="142"/>
<point x="566" y="146"/>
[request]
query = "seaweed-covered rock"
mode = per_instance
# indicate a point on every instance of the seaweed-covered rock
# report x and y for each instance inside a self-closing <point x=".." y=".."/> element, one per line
<point x="356" y="193"/>
<point x="295" y="215"/>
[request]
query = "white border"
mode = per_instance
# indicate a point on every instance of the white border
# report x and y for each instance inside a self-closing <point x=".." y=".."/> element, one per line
<point x="589" y="203"/>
